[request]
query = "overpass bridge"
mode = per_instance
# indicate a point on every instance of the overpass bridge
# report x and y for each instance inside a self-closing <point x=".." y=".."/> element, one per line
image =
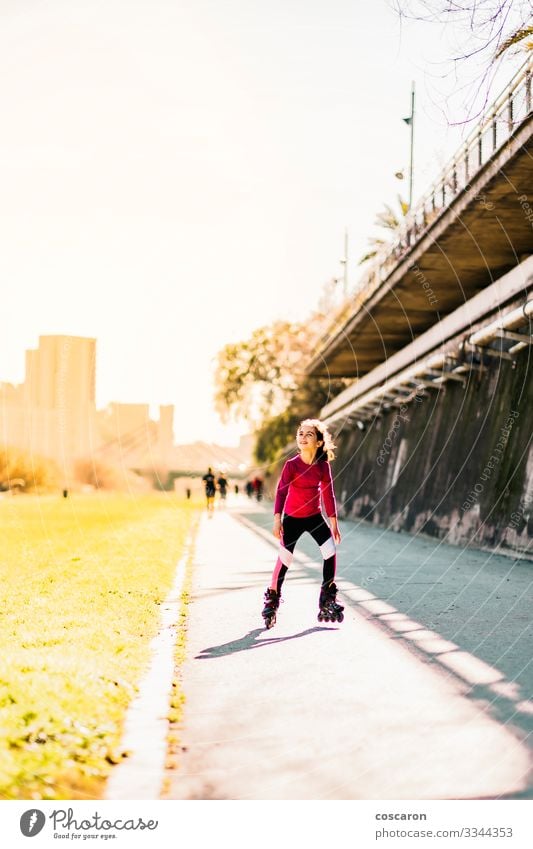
<point x="434" y="432"/>
<point x="472" y="226"/>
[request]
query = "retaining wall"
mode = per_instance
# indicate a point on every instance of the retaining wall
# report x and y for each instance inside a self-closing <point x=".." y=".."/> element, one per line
<point x="456" y="464"/>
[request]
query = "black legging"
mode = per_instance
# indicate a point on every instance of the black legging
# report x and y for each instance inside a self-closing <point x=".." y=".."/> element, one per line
<point x="292" y="529"/>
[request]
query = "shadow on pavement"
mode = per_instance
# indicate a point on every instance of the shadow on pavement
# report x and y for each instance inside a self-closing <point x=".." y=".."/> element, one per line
<point x="249" y="641"/>
<point x="476" y="600"/>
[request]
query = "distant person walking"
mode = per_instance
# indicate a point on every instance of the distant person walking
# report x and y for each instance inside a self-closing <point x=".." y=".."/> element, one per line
<point x="222" y="483"/>
<point x="257" y="484"/>
<point x="210" y="489"/>
<point x="305" y="479"/>
<point x="249" y="489"/>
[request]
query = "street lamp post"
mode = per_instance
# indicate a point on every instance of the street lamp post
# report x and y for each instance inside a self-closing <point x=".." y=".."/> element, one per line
<point x="344" y="263"/>
<point x="410" y="121"/>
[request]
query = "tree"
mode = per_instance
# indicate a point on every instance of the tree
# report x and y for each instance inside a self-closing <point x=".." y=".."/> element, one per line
<point x="255" y="378"/>
<point x="492" y="27"/>
<point x="276" y="432"/>
<point x="262" y="379"/>
<point x="25" y="471"/>
<point x="517" y="39"/>
<point x="389" y="220"/>
<point x="483" y="32"/>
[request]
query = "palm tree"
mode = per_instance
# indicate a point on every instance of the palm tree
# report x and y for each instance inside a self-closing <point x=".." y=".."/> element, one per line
<point x="389" y="220"/>
<point x="517" y="38"/>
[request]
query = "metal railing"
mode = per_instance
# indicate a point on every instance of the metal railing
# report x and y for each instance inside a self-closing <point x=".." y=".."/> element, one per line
<point x="498" y="124"/>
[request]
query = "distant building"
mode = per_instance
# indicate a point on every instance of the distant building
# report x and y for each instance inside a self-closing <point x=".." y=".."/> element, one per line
<point x="60" y="374"/>
<point x="127" y="434"/>
<point x="52" y="413"/>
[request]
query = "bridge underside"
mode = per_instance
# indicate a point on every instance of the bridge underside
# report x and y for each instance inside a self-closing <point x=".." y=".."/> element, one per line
<point x="485" y="232"/>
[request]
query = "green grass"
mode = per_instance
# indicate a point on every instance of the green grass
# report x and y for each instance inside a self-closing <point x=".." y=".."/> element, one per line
<point x="81" y="584"/>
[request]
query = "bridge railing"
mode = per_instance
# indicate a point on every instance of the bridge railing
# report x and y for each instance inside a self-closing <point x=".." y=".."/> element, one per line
<point x="499" y="122"/>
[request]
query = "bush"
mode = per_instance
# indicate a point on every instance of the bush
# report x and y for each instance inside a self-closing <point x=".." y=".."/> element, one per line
<point x="25" y="471"/>
<point x="94" y="473"/>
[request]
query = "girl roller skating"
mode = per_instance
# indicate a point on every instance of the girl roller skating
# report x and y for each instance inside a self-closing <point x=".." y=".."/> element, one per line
<point x="304" y="480"/>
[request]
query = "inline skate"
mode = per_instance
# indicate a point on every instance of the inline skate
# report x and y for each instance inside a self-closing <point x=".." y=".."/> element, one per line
<point x="328" y="609"/>
<point x="272" y="599"/>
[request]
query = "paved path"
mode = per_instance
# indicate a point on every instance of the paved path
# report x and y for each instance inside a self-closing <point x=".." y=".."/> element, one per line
<point x="480" y="601"/>
<point x="321" y="711"/>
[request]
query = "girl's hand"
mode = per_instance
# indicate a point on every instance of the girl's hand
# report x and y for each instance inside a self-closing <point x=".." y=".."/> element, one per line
<point x="335" y="530"/>
<point x="276" y="530"/>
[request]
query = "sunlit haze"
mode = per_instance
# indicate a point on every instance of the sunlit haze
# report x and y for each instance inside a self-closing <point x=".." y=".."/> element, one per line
<point x="175" y="174"/>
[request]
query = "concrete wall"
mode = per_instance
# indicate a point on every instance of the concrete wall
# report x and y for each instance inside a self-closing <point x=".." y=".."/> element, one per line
<point x="457" y="464"/>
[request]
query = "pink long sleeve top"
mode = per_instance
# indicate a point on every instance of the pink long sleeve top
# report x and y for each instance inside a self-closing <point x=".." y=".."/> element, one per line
<point x="300" y="487"/>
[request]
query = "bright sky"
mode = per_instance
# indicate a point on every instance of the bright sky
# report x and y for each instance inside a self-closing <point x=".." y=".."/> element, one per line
<point x="175" y="174"/>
